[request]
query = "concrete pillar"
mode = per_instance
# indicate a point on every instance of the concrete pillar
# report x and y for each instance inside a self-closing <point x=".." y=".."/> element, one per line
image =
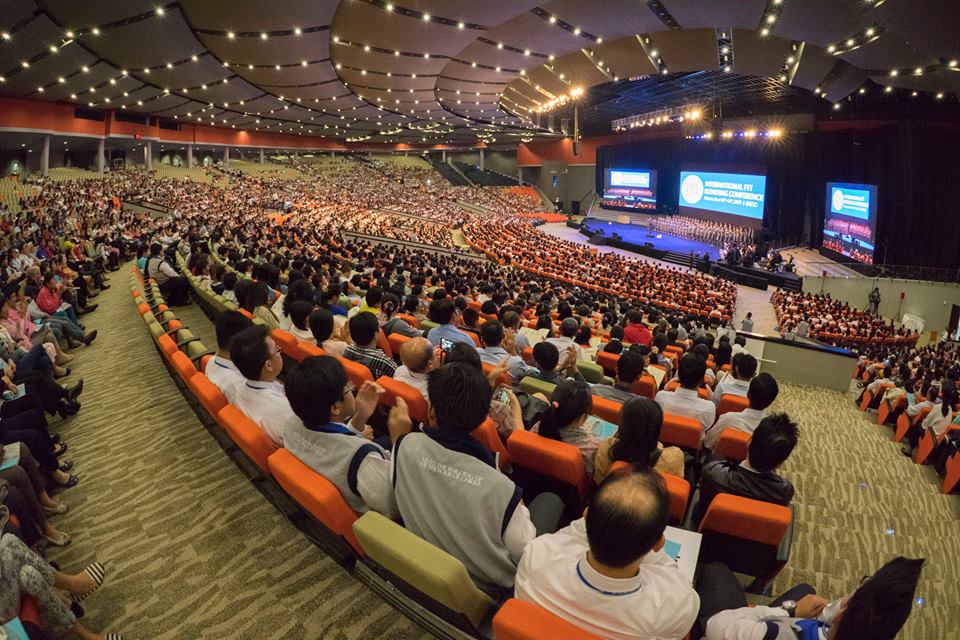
<point x="189" y="156"/>
<point x="296" y="156"/>
<point x="148" y="155"/>
<point x="45" y="156"/>
<point x="226" y="157"/>
<point x="262" y="157"/>
<point x="101" y="156"/>
<point x="443" y="155"/>
<point x="481" y="160"/>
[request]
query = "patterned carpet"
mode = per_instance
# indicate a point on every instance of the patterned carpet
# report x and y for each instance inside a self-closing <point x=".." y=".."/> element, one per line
<point x="194" y="550"/>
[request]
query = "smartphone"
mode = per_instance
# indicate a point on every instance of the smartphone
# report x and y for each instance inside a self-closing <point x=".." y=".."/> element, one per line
<point x="502" y="395"/>
<point x="446" y="345"/>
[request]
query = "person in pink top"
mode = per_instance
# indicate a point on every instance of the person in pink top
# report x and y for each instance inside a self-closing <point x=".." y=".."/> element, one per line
<point x="16" y="319"/>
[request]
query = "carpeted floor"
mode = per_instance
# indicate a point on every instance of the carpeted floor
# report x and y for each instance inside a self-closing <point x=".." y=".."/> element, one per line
<point x="194" y="550"/>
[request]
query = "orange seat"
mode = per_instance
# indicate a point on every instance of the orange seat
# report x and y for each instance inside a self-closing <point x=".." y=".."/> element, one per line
<point x="904" y="422"/>
<point x="247" y="435"/>
<point x="929" y="442"/>
<point x="246" y="313"/>
<point x="886" y="408"/>
<point x="167" y="346"/>
<point x="356" y="372"/>
<point x="309" y="349"/>
<point x="207" y="393"/>
<point x="645" y="386"/>
<point x="288" y="343"/>
<point x="416" y="403"/>
<point x="681" y="431"/>
<point x="527" y="355"/>
<point x="317" y="495"/>
<point x="952" y="478"/>
<point x="384" y="344"/>
<point x="182" y="365"/>
<point x="673" y="385"/>
<point x="678" y="492"/>
<point x="730" y="402"/>
<point x="504" y="378"/>
<point x="866" y="400"/>
<point x="745" y="535"/>
<point x="522" y="620"/>
<point x="204" y="360"/>
<point x="410" y="320"/>
<point x="487" y="434"/>
<point x="29" y="610"/>
<point x="607" y="409"/>
<point x="609" y="362"/>
<point x="549" y="458"/>
<point x="733" y="444"/>
<point x="396" y="341"/>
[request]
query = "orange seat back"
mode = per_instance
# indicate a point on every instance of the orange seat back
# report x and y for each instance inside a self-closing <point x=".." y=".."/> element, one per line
<point x="247" y="435"/>
<point x="29" y="610"/>
<point x="928" y="443"/>
<point x="356" y="372"/>
<point x="182" y="365"/>
<point x="504" y="378"/>
<point x="550" y="458"/>
<point x="733" y="444"/>
<point x="681" y="431"/>
<point x="396" y="341"/>
<point x="527" y="355"/>
<point x="753" y="520"/>
<point x="609" y="362"/>
<point x="522" y="620"/>
<point x="309" y="349"/>
<point x="487" y="434"/>
<point x="645" y="386"/>
<point x="410" y="320"/>
<point x="207" y="393"/>
<point x="317" y="495"/>
<point x="607" y="409"/>
<point x="730" y="402"/>
<point x="384" y="344"/>
<point x="246" y="313"/>
<point x="952" y="479"/>
<point x="416" y="403"/>
<point x="678" y="492"/>
<point x="673" y="385"/>
<point x="167" y="346"/>
<point x="288" y="343"/>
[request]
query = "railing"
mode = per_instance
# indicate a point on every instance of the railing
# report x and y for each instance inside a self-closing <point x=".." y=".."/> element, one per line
<point x="897" y="271"/>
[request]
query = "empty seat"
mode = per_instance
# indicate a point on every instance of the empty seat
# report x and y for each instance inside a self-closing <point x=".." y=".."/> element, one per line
<point x="522" y="620"/>
<point x="732" y="403"/>
<point x="247" y="435"/>
<point x="733" y="444"/>
<point x="182" y="365"/>
<point x="535" y="385"/>
<point x="427" y="574"/>
<point x="317" y="495"/>
<point x="592" y="373"/>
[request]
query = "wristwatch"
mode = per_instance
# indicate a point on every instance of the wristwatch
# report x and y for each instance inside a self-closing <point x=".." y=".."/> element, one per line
<point x="790" y="606"/>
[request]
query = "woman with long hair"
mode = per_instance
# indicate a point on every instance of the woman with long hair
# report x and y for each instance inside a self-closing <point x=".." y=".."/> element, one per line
<point x="569" y="406"/>
<point x="390" y="322"/>
<point x="637" y="442"/>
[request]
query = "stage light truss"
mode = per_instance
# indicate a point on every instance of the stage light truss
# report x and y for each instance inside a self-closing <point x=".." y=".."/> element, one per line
<point x="672" y="115"/>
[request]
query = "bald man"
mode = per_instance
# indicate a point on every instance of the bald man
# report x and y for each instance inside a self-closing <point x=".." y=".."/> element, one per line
<point x="606" y="572"/>
<point x="419" y="358"/>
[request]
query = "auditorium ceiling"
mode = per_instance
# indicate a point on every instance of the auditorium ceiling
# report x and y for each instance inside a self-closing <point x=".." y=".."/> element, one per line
<point x="442" y="71"/>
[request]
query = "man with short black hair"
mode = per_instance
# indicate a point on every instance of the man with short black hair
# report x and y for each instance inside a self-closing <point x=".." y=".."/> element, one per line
<point x="364" y="336"/>
<point x="770" y="445"/>
<point x="636" y="332"/>
<point x="686" y="400"/>
<point x="450" y="492"/>
<point x="876" y="610"/>
<point x="174" y="287"/>
<point x="742" y="369"/>
<point x="761" y="393"/>
<point x="220" y="369"/>
<point x="443" y="311"/>
<point x="630" y="367"/>
<point x="493" y="353"/>
<point x="261" y="397"/>
<point x="606" y="573"/>
<point x="549" y="366"/>
<point x="371" y="302"/>
<point x="330" y="433"/>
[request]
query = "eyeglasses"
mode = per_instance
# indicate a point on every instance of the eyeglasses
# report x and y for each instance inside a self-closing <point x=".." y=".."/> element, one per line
<point x="347" y="390"/>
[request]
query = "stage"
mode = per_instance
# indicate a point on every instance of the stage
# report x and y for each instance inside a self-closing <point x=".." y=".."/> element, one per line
<point x="637" y="235"/>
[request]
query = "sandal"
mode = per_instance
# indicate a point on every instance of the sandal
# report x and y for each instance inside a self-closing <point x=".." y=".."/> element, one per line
<point x="57" y="510"/>
<point x="66" y="465"/>
<point x="62" y="449"/>
<point x="71" y="482"/>
<point x="97" y="573"/>
<point x="113" y="636"/>
<point x="61" y="541"/>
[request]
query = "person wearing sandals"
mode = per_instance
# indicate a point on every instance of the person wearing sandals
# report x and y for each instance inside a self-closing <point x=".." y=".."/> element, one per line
<point x="22" y="572"/>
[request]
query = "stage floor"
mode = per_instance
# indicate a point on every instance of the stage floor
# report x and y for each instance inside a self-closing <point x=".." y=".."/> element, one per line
<point x="638" y="235"/>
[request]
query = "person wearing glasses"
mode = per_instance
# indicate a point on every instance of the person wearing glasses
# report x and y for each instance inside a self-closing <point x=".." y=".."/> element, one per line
<point x="261" y="397"/>
<point x="331" y="436"/>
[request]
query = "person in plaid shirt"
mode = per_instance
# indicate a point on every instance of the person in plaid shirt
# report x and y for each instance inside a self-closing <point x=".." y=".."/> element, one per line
<point x="364" y="331"/>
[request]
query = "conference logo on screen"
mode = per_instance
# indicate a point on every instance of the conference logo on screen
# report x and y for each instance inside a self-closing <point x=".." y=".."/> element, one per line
<point x="837" y="200"/>
<point x="692" y="189"/>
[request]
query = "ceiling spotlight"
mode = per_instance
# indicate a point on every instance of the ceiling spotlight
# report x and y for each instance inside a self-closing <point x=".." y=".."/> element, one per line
<point x="727" y="69"/>
<point x="263" y="35"/>
<point x="5" y="35"/>
<point x="918" y="71"/>
<point x="85" y="69"/>
<point x="169" y="65"/>
<point x="389" y="6"/>
<point x="862" y="91"/>
<point x="297" y="31"/>
<point x="123" y="73"/>
<point x="831" y="49"/>
<point x="850" y="42"/>
<point x="599" y="40"/>
<point x="550" y="57"/>
<point x="836" y="106"/>
<point x="231" y="35"/>
<point x="303" y="63"/>
<point x="69" y="35"/>
<point x="53" y="48"/>
<point x="870" y="32"/>
<point x="887" y="89"/>
<point x="61" y="79"/>
<point x="765" y="32"/>
<point x="783" y="78"/>
<point x="426" y="17"/>
<point x="25" y="64"/>
<point x="460" y="25"/>
<point x="336" y="38"/>
<point x="95" y="31"/>
<point x="893" y="73"/>
<point x="940" y="96"/>
<point x="366" y="47"/>
<point x="160" y="11"/>
<point x="653" y="54"/>
<point x="791" y="60"/>
<point x="576" y="31"/>
<point x="952" y="64"/>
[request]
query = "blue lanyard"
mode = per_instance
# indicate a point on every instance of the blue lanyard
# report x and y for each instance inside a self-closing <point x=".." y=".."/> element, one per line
<point x="606" y="593"/>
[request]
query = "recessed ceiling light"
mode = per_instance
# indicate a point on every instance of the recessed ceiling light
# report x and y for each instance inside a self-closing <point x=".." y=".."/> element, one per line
<point x="231" y="35"/>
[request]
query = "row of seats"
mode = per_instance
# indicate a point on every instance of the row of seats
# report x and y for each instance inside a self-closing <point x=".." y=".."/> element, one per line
<point x="745" y="533"/>
<point x="894" y="414"/>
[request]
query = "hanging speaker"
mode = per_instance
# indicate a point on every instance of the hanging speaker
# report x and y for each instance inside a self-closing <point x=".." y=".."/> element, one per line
<point x="576" y="147"/>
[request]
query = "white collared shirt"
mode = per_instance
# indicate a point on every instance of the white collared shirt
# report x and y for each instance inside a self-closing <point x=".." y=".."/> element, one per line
<point x="732" y="386"/>
<point x="562" y="344"/>
<point x="225" y="375"/>
<point x="687" y="402"/>
<point x="266" y="404"/>
<point x="416" y="380"/>
<point x="746" y="421"/>
<point x="658" y="603"/>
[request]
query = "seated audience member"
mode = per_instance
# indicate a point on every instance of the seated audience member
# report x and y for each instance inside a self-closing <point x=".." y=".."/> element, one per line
<point x="300" y="311"/>
<point x="175" y="288"/>
<point x="261" y="396"/>
<point x="630" y="367"/>
<point x="391" y="322"/>
<point x="568" y="330"/>
<point x="331" y="300"/>
<point x="484" y="524"/>
<point x="742" y="369"/>
<point x="419" y="358"/>
<point x="606" y="573"/>
<point x="443" y="311"/>
<point x="756" y="477"/>
<point x="876" y="610"/>
<point x="636" y="332"/>
<point x="936" y="422"/>
<point x="686" y="401"/>
<point x="761" y="393"/>
<point x="364" y="336"/>
<point x="739" y="346"/>
<point x="282" y="309"/>
<point x="583" y="340"/>
<point x="220" y="368"/>
<point x="637" y="442"/>
<point x="330" y="434"/>
<point x="322" y="326"/>
<point x="565" y="418"/>
<point x="256" y="300"/>
<point x="506" y="416"/>
<point x="229" y="285"/>
<point x="615" y="344"/>
<point x="493" y="353"/>
<point x="549" y="367"/>
<point x="511" y="329"/>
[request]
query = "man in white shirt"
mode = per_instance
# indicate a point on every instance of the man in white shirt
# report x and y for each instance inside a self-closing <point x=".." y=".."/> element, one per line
<point x="220" y="369"/>
<point x="686" y="400"/>
<point x="762" y="392"/>
<point x="742" y="369"/>
<point x="261" y="397"/>
<point x="747" y="323"/>
<point x="419" y="358"/>
<point x="493" y="353"/>
<point x="568" y="329"/>
<point x="606" y="573"/>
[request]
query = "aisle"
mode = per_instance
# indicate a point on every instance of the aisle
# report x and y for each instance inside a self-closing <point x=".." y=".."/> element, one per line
<point x="192" y="548"/>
